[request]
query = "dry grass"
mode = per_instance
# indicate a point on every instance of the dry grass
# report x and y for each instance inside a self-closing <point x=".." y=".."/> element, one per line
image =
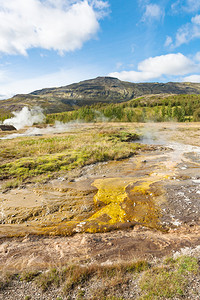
<point x="159" y="280"/>
<point x="72" y="276"/>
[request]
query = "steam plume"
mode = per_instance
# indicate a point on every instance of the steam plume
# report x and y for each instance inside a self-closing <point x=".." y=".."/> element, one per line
<point x="26" y="117"/>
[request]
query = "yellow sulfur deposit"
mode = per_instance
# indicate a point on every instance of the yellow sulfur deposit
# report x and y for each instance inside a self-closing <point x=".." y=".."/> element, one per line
<point x="126" y="200"/>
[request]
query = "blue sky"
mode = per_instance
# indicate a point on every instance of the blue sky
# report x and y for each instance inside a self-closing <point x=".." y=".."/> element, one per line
<point x="46" y="43"/>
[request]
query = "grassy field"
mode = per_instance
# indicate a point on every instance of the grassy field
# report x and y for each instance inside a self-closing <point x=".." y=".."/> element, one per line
<point x="37" y="158"/>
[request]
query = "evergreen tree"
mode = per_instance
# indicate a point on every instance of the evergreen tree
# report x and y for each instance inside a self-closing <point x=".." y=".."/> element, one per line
<point x="163" y="111"/>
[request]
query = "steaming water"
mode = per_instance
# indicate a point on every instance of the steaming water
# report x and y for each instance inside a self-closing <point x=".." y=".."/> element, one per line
<point x="179" y="150"/>
<point x="26" y="117"/>
<point x="176" y="156"/>
<point x="59" y="127"/>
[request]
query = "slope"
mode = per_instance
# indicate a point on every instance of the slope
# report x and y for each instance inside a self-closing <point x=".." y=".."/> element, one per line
<point x="100" y="89"/>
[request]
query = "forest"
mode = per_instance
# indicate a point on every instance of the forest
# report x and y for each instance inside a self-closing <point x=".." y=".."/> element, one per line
<point x="156" y="108"/>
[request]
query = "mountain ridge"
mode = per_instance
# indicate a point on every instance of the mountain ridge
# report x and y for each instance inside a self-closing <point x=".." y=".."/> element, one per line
<point x="92" y="91"/>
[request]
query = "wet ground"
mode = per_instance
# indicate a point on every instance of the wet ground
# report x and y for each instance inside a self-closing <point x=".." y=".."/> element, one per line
<point x="151" y="200"/>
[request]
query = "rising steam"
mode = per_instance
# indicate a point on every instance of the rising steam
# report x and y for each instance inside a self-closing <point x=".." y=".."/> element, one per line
<point x="26" y="117"/>
<point x="30" y="117"/>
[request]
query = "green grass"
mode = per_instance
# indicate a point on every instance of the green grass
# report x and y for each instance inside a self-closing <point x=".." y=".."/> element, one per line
<point x="187" y="265"/>
<point x="29" y="276"/>
<point x="4" y="115"/>
<point x="170" y="279"/>
<point x="162" y="282"/>
<point x="52" y="277"/>
<point x="26" y="158"/>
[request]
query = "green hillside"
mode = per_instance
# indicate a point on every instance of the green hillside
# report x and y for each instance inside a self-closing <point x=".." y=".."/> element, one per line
<point x="157" y="108"/>
<point x="90" y="92"/>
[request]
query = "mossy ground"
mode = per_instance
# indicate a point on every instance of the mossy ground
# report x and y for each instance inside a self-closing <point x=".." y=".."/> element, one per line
<point x="170" y="279"/>
<point x="24" y="159"/>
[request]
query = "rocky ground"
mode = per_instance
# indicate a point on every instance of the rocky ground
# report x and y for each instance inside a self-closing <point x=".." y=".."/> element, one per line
<point x="154" y="212"/>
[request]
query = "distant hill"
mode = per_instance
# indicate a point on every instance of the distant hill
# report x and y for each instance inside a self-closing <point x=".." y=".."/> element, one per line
<point x="100" y="89"/>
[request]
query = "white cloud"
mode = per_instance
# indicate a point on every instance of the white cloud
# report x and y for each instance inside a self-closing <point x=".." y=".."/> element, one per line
<point x="183" y="35"/>
<point x="60" y="25"/>
<point x="155" y="67"/>
<point x="168" y="41"/>
<point x="192" y="5"/>
<point x="152" y="11"/>
<point x="188" y="32"/>
<point x="188" y="6"/>
<point x="119" y="65"/>
<point x="192" y="78"/>
<point x="134" y="76"/>
<point x="59" y="78"/>
<point x="100" y="4"/>
<point x="175" y="6"/>
<point x="101" y="8"/>
<point x="3" y="76"/>
<point x="197" y="56"/>
<point x="176" y="64"/>
<point x="196" y="20"/>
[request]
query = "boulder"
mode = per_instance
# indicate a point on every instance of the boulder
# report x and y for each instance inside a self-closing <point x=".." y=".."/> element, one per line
<point x="7" y="128"/>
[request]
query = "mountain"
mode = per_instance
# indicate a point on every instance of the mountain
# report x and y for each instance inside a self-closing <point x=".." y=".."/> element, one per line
<point x="100" y="89"/>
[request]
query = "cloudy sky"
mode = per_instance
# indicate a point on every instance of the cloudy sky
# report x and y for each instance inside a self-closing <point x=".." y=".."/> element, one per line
<point x="46" y="43"/>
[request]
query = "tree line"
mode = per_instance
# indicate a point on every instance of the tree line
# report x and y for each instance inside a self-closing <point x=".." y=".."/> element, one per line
<point x="180" y="108"/>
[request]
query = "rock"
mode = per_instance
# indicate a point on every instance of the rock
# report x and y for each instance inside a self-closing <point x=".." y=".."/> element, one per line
<point x="7" y="128"/>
